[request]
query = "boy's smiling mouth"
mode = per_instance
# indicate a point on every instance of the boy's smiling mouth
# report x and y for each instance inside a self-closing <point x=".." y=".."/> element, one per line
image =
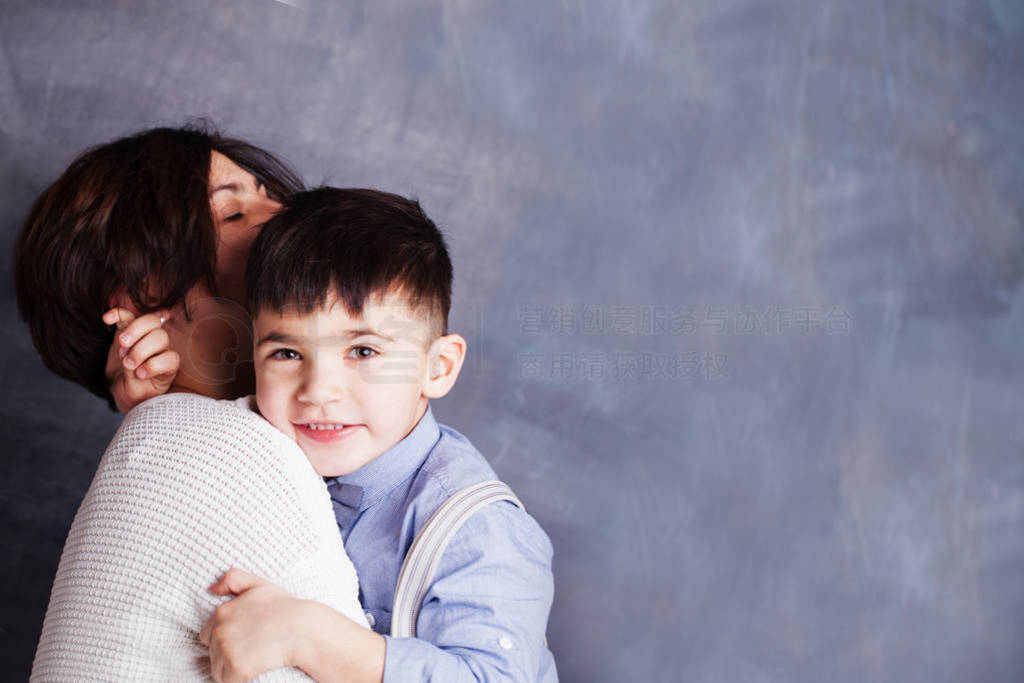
<point x="325" y="432"/>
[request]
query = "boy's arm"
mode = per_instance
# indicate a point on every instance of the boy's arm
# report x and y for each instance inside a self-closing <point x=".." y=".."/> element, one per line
<point x="264" y="628"/>
<point x="483" y="618"/>
<point x="486" y="613"/>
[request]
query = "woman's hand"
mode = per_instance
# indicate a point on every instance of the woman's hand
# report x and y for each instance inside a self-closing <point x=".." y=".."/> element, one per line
<point x="141" y="363"/>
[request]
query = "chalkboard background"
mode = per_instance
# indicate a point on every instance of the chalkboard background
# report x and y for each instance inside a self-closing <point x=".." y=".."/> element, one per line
<point x="741" y="280"/>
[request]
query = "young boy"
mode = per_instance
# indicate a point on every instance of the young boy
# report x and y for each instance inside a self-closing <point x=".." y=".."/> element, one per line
<point x="349" y="292"/>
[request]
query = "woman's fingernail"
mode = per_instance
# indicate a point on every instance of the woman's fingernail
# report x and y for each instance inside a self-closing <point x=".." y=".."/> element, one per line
<point x="126" y="339"/>
<point x="141" y="373"/>
<point x="122" y="352"/>
<point x="129" y="363"/>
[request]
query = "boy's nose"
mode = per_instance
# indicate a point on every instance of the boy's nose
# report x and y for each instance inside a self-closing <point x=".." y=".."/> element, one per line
<point x="321" y="386"/>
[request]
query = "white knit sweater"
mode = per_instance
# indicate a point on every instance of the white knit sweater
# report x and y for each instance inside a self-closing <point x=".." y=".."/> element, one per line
<point x="188" y="488"/>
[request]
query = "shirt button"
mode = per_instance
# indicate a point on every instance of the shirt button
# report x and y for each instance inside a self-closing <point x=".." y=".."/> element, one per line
<point x="505" y="643"/>
<point x="370" y="620"/>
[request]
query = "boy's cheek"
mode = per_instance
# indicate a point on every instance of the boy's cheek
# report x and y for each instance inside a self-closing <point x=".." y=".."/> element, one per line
<point x="401" y="368"/>
<point x="270" y="407"/>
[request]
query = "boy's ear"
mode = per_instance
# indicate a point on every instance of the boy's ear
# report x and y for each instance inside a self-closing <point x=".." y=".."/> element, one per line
<point x="444" y="362"/>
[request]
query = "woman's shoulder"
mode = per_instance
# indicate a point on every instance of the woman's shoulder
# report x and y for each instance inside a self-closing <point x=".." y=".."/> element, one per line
<point x="186" y="402"/>
<point x="207" y="448"/>
<point x="192" y="414"/>
<point x="197" y="428"/>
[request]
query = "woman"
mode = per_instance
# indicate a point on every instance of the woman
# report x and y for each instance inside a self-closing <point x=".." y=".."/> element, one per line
<point x="157" y="223"/>
<point x="146" y="238"/>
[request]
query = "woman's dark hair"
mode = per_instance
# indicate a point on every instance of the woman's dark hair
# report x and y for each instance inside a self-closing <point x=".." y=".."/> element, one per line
<point x="129" y="217"/>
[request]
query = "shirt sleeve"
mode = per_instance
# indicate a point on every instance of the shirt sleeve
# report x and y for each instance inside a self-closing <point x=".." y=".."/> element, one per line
<point x="486" y="613"/>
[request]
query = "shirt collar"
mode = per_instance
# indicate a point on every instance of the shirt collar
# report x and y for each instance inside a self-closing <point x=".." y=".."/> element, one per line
<point x="381" y="475"/>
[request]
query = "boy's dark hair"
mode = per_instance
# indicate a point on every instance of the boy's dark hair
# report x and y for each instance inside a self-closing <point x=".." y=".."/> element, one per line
<point x="352" y="243"/>
<point x="130" y="216"/>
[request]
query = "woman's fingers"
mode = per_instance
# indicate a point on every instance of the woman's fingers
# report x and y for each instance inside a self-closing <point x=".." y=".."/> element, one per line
<point x="141" y="363"/>
<point x="132" y="331"/>
<point x="153" y="343"/>
<point x="118" y="316"/>
<point x="160" y="369"/>
<point x="152" y="378"/>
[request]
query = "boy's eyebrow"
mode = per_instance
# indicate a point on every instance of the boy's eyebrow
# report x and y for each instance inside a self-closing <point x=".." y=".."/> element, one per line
<point x="275" y="337"/>
<point x="355" y="334"/>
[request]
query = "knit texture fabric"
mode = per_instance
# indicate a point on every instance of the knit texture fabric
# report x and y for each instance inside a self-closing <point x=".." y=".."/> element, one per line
<point x="188" y="488"/>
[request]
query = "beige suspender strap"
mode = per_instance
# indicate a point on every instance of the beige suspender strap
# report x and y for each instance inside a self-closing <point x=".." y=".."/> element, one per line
<point x="425" y="553"/>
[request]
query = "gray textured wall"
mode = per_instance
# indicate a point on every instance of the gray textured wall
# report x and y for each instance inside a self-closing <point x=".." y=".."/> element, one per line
<point x="742" y="283"/>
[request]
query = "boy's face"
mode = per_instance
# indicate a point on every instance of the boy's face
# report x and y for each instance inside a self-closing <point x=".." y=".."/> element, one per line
<point x="345" y="388"/>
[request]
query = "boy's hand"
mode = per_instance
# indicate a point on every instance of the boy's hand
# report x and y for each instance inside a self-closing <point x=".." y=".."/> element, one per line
<point x="265" y="628"/>
<point x="140" y="364"/>
<point x="253" y="632"/>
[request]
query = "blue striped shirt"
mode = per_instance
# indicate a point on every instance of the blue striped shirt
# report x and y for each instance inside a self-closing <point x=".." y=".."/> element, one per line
<point x="485" y="614"/>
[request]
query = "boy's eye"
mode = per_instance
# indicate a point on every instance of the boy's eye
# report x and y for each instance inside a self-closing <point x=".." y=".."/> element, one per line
<point x="285" y="354"/>
<point x="232" y="217"/>
<point x="361" y="352"/>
